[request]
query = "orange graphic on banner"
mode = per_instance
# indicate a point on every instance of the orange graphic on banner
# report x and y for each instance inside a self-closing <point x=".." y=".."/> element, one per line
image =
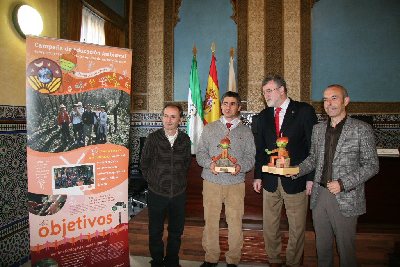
<point x="69" y="68"/>
<point x="110" y="162"/>
<point x="51" y="84"/>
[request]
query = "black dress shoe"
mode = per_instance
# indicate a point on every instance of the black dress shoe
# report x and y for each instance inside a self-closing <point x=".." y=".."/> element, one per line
<point x="231" y="265"/>
<point x="208" y="264"/>
<point x="156" y="264"/>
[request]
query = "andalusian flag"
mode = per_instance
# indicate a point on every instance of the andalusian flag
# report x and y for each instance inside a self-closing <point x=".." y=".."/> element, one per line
<point x="232" y="79"/>
<point x="195" y="106"/>
<point x="212" y="108"/>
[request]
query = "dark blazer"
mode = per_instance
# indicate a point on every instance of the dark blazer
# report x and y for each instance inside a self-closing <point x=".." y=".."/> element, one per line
<point x="355" y="161"/>
<point x="297" y="126"/>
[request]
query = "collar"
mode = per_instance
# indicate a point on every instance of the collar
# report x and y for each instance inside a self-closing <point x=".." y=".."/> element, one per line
<point x="284" y="105"/>
<point x="234" y="122"/>
<point x="339" y="124"/>
<point x="175" y="135"/>
<point x="171" y="138"/>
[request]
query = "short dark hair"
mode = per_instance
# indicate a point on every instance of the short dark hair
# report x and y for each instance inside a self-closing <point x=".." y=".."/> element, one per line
<point x="277" y="79"/>
<point x="174" y="105"/>
<point x="231" y="94"/>
<point x="341" y="87"/>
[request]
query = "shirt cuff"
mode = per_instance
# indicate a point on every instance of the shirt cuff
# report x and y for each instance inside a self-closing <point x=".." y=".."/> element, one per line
<point x="341" y="185"/>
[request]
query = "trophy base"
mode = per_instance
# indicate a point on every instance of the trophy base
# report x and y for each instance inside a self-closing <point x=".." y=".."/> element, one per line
<point x="281" y="171"/>
<point x="225" y="169"/>
<point x="224" y="165"/>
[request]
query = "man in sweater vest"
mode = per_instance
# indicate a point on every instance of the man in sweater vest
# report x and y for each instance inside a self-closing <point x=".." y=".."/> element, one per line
<point x="223" y="187"/>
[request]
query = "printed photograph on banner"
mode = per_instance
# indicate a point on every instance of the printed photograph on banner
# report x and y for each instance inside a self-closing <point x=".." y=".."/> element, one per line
<point x="44" y="205"/>
<point x="65" y="122"/>
<point x="74" y="103"/>
<point x="73" y="179"/>
<point x="78" y="121"/>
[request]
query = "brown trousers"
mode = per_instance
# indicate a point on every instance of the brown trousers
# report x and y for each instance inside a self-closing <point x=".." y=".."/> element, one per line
<point x="214" y="195"/>
<point x="296" y="212"/>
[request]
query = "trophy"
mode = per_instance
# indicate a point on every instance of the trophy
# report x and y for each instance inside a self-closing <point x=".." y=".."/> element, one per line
<point x="280" y="163"/>
<point x="224" y="162"/>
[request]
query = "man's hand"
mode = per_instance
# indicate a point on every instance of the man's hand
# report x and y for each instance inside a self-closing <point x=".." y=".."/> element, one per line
<point x="309" y="185"/>
<point x="333" y="187"/>
<point x="212" y="168"/>
<point x="237" y="169"/>
<point x="257" y="185"/>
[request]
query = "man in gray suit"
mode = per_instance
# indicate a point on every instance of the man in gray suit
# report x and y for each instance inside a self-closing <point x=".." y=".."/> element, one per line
<point x="344" y="157"/>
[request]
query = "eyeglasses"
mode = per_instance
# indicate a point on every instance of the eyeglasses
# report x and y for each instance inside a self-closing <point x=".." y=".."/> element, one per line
<point x="268" y="91"/>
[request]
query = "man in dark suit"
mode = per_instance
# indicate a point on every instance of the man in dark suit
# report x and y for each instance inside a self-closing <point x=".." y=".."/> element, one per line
<point x="344" y="157"/>
<point x="292" y="119"/>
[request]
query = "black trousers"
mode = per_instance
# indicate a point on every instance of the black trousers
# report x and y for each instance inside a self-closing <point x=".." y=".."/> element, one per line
<point x="78" y="132"/>
<point x="159" y="207"/>
<point x="65" y="132"/>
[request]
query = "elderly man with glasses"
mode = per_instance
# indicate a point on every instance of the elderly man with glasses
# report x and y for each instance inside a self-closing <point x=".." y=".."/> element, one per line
<point x="295" y="120"/>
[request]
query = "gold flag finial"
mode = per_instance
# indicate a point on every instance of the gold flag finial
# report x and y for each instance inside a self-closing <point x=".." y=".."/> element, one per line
<point x="232" y="52"/>
<point x="194" y="50"/>
<point x="213" y="47"/>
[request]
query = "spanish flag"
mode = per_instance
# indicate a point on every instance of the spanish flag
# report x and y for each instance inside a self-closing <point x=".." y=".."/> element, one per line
<point x="212" y="107"/>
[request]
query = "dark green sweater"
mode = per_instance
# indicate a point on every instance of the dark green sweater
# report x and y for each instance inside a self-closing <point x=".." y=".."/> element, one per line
<point x="164" y="167"/>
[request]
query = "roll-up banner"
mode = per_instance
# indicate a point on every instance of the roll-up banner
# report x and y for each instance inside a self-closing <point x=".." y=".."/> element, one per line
<point x="78" y="99"/>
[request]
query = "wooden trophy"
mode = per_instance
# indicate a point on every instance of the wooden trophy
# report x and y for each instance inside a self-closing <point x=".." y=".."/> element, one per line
<point x="224" y="162"/>
<point x="280" y="164"/>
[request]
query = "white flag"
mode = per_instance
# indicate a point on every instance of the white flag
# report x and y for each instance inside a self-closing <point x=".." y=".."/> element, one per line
<point x="232" y="79"/>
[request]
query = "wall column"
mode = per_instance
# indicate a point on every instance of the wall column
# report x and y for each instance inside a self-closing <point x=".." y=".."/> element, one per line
<point x="292" y="47"/>
<point x="256" y="54"/>
<point x="155" y="68"/>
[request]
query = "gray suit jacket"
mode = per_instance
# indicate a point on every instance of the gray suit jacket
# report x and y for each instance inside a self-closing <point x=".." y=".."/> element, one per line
<point x="355" y="161"/>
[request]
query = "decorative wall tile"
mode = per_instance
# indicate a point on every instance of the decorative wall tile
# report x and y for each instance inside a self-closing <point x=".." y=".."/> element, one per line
<point x="387" y="130"/>
<point x="14" y="243"/>
<point x="14" y="231"/>
<point x="15" y="113"/>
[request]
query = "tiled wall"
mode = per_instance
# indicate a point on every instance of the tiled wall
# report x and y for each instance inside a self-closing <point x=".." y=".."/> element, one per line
<point x="14" y="231"/>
